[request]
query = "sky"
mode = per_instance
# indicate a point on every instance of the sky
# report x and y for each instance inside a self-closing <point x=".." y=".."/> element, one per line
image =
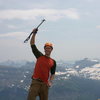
<point x="73" y="26"/>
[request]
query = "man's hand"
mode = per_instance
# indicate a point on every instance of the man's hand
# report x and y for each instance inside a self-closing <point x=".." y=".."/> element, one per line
<point x="49" y="83"/>
<point x="50" y="80"/>
<point x="35" y="30"/>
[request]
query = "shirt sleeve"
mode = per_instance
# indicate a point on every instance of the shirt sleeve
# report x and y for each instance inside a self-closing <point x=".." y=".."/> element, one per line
<point x="35" y="51"/>
<point x="53" y="69"/>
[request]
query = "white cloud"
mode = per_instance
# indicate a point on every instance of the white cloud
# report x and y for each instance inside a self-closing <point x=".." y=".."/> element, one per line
<point x="18" y="35"/>
<point x="90" y="0"/>
<point x="12" y="27"/>
<point x="98" y="27"/>
<point x="13" y="34"/>
<point x="50" y="14"/>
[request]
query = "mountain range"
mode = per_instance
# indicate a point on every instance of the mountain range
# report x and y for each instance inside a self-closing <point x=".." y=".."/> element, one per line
<point x="73" y="81"/>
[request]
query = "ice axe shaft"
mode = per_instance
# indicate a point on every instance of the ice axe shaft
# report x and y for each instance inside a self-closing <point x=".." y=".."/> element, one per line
<point x="40" y="23"/>
<point x="32" y="32"/>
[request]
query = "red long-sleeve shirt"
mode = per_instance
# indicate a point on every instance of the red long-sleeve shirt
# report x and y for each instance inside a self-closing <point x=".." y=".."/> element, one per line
<point x="44" y="65"/>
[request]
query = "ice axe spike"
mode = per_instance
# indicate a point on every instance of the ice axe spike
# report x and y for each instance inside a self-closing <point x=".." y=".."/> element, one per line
<point x="32" y="32"/>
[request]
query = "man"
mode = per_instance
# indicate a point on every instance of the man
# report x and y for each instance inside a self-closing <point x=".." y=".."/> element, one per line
<point x="44" y="71"/>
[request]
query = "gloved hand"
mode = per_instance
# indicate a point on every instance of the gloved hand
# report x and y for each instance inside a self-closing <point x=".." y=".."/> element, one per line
<point x="35" y="30"/>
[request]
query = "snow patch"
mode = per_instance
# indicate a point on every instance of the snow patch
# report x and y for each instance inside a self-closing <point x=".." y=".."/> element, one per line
<point x="22" y="81"/>
<point x="61" y="73"/>
<point x="72" y="71"/>
<point x="77" y="66"/>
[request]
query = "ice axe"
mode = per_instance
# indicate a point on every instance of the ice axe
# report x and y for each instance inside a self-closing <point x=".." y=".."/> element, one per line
<point x="32" y="32"/>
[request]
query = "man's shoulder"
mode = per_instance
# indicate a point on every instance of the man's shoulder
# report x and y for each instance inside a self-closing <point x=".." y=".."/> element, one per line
<point x="53" y="60"/>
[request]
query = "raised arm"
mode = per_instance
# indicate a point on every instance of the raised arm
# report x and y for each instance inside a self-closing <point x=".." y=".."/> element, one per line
<point x="35" y="51"/>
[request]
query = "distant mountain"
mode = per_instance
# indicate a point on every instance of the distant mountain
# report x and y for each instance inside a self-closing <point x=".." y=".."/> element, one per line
<point x="85" y="63"/>
<point x="86" y="68"/>
<point x="14" y="63"/>
<point x="75" y="81"/>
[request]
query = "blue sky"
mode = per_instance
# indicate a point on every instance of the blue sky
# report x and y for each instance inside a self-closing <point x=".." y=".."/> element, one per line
<point x="73" y="26"/>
